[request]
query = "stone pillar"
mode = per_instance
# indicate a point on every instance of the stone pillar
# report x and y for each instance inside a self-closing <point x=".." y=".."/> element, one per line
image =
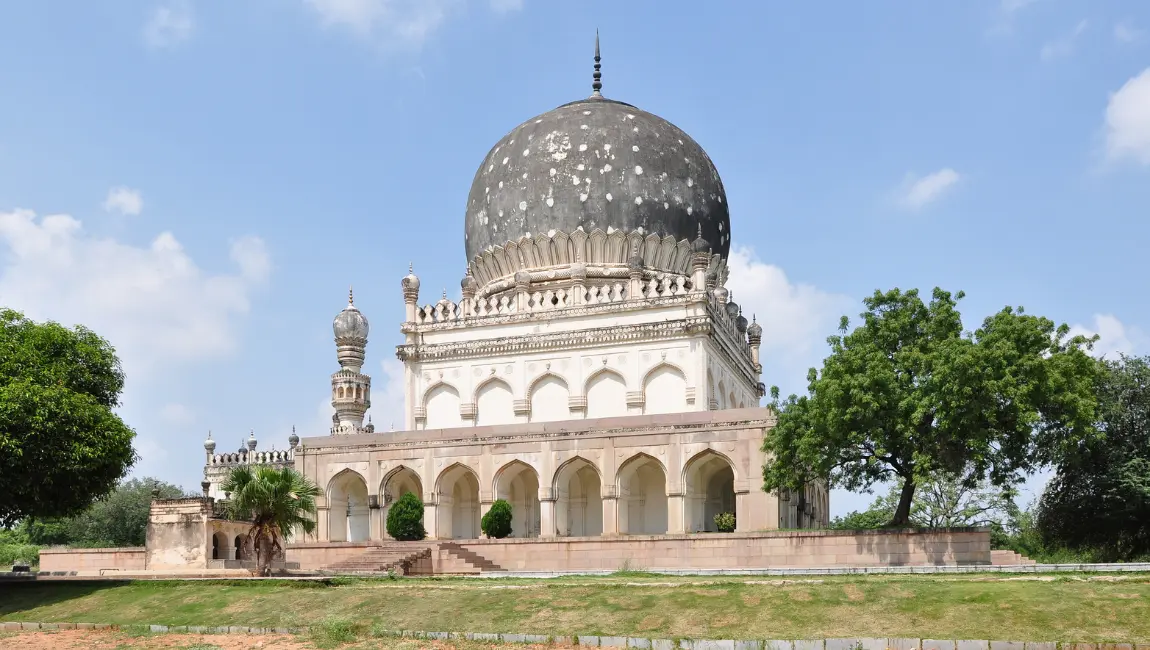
<point x="522" y="287"/>
<point x="375" y="519"/>
<point x="321" y="531"/>
<point x="676" y="513"/>
<point x="578" y="283"/>
<point x="547" y="523"/>
<point x="610" y="510"/>
<point x="485" y="502"/>
<point x="431" y="515"/>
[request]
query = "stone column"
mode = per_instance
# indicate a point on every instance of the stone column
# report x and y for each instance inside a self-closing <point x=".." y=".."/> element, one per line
<point x="610" y="510"/>
<point x="321" y="531"/>
<point x="484" y="505"/>
<point x="375" y="518"/>
<point x="676" y="513"/>
<point x="547" y="524"/>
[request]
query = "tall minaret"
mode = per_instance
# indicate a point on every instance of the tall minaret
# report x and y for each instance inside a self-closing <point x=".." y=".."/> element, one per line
<point x="350" y="389"/>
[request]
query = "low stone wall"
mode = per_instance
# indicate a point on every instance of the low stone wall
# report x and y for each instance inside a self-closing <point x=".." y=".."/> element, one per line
<point x="764" y="550"/>
<point x="92" y="560"/>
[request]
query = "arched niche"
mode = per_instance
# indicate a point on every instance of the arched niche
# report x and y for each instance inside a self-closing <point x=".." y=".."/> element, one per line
<point x="457" y="512"/>
<point x="220" y="547"/>
<point x="665" y="390"/>
<point x="549" y="395"/>
<point x="642" y="503"/>
<point x="348" y="510"/>
<point x="606" y="393"/>
<point x="518" y="484"/>
<point x="494" y="403"/>
<point x="442" y="407"/>
<point x="578" y="499"/>
<point x="709" y="488"/>
<point x="712" y="402"/>
<point x="395" y="484"/>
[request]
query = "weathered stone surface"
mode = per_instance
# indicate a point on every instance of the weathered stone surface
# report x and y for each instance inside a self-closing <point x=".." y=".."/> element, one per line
<point x="813" y="644"/>
<point x="841" y="644"/>
<point x="589" y="641"/>
<point x="511" y="638"/>
<point x="1007" y="645"/>
<point x="748" y="644"/>
<point x="1041" y="645"/>
<point x="973" y="645"/>
<point x="49" y="626"/>
<point x="65" y="626"/>
<point x="636" y="642"/>
<point x="714" y="644"/>
<point x="903" y="644"/>
<point x="937" y="644"/>
<point x="29" y="626"/>
<point x="612" y="642"/>
<point x="10" y="627"/>
<point x="874" y="644"/>
<point x="158" y="628"/>
<point x="778" y="644"/>
<point x="662" y="644"/>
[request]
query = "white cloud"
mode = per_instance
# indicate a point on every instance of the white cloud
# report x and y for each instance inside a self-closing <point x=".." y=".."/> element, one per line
<point x="153" y="303"/>
<point x="177" y="414"/>
<point x="796" y="318"/>
<point x="387" y="397"/>
<point x="169" y="24"/>
<point x="1125" y="33"/>
<point x="1114" y="337"/>
<point x="503" y="6"/>
<point x="918" y="191"/>
<point x="394" y="23"/>
<point x="1064" y="46"/>
<point x="1128" y="120"/>
<point x="124" y="200"/>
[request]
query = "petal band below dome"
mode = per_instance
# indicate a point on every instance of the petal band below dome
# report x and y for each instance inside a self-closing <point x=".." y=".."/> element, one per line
<point x="595" y="164"/>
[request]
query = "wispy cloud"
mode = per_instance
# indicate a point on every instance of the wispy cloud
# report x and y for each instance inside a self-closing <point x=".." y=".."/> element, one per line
<point x="1128" y="121"/>
<point x="1125" y="33"/>
<point x="1064" y="46"/>
<point x="396" y="24"/>
<point x="124" y="200"/>
<point x="919" y="191"/>
<point x="169" y="24"/>
<point x="1114" y="337"/>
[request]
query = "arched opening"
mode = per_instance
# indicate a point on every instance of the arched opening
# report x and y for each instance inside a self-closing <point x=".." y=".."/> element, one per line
<point x="665" y="391"/>
<point x="606" y="394"/>
<point x="549" y="399"/>
<point x="219" y="546"/>
<point x="239" y="547"/>
<point x="457" y="515"/>
<point x="442" y="407"/>
<point x="493" y="403"/>
<point x="731" y="400"/>
<point x="397" y="483"/>
<point x="518" y="484"/>
<point x="348" y="511"/>
<point x="578" y="501"/>
<point x="709" y="483"/>
<point x="642" y="497"/>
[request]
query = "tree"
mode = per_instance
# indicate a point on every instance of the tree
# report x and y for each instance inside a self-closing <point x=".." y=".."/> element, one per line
<point x="276" y="502"/>
<point x="940" y="502"/>
<point x="497" y="522"/>
<point x="1099" y="498"/>
<point x="908" y="395"/>
<point x="405" y="519"/>
<point x="61" y="446"/>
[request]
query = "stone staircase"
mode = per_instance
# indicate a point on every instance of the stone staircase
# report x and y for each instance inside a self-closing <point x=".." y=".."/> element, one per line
<point x="397" y="556"/>
<point x="1009" y="558"/>
<point x="466" y="560"/>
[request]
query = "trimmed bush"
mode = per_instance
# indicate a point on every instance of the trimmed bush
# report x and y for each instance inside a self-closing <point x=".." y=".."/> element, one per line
<point x="725" y="522"/>
<point x="405" y="519"/>
<point x="497" y="522"/>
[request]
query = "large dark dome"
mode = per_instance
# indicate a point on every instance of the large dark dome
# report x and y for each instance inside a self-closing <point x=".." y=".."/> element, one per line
<point x="596" y="164"/>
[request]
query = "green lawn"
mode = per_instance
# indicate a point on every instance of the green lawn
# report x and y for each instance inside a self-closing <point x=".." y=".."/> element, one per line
<point x="1030" y="608"/>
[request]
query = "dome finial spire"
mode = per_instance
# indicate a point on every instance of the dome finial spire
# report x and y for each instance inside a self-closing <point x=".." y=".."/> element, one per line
<point x="597" y="85"/>
<point x="350" y="295"/>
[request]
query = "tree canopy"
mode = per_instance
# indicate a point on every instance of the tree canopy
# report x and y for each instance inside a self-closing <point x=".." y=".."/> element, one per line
<point x="942" y="502"/>
<point x="1099" y="498"/>
<point x="61" y="445"/>
<point x="908" y="395"/>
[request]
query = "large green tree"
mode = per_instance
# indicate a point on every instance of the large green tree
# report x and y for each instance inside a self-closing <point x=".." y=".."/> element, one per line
<point x="61" y="445"/>
<point x="118" y="519"/>
<point x="277" y="502"/>
<point x="908" y="395"/>
<point x="1099" y="498"/>
<point x="942" y="502"/>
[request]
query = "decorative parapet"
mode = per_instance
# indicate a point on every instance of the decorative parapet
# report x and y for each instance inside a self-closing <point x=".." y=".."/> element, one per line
<point x="273" y="457"/>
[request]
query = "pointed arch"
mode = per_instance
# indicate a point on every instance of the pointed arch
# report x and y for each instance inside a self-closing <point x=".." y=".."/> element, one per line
<point x="606" y="393"/>
<point x="548" y="396"/>
<point x="641" y="486"/>
<point x="578" y="487"/>
<point x="665" y="389"/>
<point x="441" y="403"/>
<point x="494" y="402"/>
<point x="347" y="507"/>
<point x="517" y="483"/>
<point x="457" y="503"/>
<point x="709" y="489"/>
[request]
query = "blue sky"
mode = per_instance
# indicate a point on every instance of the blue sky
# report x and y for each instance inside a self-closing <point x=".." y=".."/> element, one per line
<point x="201" y="181"/>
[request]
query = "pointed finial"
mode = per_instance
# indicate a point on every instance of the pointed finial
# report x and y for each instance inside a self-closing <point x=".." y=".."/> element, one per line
<point x="209" y="434"/>
<point x="410" y="268"/>
<point x="754" y="318"/>
<point x="350" y="296"/>
<point x="597" y="85"/>
<point x="445" y="293"/>
<point x="393" y="426"/>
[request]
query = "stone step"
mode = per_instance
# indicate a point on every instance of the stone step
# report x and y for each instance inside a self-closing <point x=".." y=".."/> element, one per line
<point x="469" y="557"/>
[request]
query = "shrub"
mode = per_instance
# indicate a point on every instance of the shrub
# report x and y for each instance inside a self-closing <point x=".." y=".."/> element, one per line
<point x="405" y="519"/>
<point x="19" y="553"/>
<point x="497" y="522"/>
<point x="725" y="522"/>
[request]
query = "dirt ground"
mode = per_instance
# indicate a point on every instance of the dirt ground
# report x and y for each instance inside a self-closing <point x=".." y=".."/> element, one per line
<point x="114" y="640"/>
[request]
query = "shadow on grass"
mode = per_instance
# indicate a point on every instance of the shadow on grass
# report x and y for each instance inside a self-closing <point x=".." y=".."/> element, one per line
<point x="16" y="597"/>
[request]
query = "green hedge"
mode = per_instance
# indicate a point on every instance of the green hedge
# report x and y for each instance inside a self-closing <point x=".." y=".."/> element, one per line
<point x="13" y="553"/>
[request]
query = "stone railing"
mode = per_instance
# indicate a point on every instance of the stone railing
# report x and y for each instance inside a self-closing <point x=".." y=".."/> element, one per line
<point x="273" y="457"/>
<point x="658" y="286"/>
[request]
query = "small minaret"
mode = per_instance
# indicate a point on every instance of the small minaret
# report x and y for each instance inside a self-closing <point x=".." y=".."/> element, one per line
<point x="755" y="338"/>
<point x="350" y="389"/>
<point x="700" y="260"/>
<point x="410" y="284"/>
<point x="209" y="449"/>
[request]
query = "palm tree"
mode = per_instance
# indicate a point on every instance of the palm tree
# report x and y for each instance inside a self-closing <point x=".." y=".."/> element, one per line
<point x="275" y="501"/>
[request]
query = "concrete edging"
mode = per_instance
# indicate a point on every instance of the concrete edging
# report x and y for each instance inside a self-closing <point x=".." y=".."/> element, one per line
<point x="643" y="643"/>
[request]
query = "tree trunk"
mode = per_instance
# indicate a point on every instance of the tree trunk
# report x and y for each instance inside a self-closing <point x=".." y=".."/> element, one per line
<point x="264" y="554"/>
<point x="902" y="512"/>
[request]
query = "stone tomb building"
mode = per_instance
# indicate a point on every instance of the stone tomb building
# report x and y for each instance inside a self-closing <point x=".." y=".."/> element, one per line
<point x="595" y="372"/>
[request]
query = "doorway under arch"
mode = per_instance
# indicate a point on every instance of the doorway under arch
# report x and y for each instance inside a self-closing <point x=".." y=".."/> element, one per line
<point x="457" y="512"/>
<point x="578" y="500"/>
<point x="518" y="484"/>
<point x="642" y="497"/>
<point x="348" y="513"/>
<point x="709" y="483"/>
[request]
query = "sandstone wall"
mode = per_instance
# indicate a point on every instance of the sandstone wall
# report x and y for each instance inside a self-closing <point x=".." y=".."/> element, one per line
<point x="90" y="560"/>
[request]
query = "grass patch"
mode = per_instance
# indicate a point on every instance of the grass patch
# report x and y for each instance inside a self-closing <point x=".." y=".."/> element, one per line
<point x="1065" y="607"/>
